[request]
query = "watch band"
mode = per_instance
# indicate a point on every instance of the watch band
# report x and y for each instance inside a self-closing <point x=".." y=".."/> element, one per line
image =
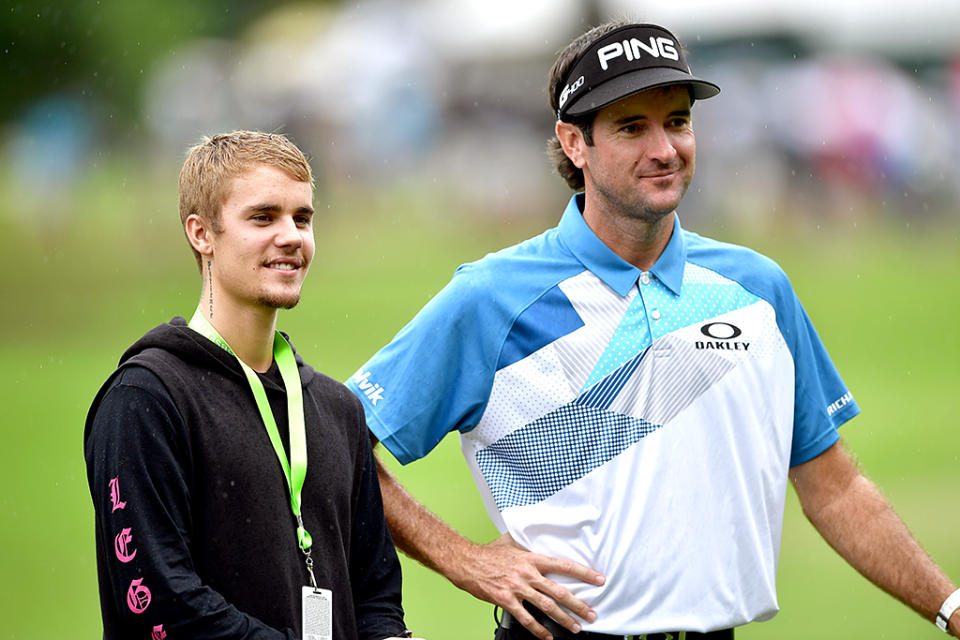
<point x="950" y="605"/>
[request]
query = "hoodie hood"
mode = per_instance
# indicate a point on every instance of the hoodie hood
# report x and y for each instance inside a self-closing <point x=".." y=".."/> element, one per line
<point x="178" y="339"/>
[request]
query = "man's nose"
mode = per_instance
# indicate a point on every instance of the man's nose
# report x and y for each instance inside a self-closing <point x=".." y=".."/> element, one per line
<point x="288" y="233"/>
<point x="660" y="145"/>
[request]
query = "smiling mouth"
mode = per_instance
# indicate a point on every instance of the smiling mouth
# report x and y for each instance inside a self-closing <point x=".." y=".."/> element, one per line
<point x="283" y="266"/>
<point x="661" y="174"/>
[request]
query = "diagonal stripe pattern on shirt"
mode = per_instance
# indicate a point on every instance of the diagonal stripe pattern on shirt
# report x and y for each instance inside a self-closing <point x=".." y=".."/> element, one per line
<point x="603" y="394"/>
<point x="631" y="337"/>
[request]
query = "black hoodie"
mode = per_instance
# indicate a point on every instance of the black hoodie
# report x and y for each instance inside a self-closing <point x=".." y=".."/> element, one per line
<point x="195" y="535"/>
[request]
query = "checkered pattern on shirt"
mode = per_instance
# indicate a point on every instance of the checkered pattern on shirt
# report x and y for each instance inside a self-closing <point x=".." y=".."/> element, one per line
<point x="541" y="458"/>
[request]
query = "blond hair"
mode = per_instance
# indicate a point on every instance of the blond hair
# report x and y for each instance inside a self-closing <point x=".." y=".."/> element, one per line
<point x="211" y="166"/>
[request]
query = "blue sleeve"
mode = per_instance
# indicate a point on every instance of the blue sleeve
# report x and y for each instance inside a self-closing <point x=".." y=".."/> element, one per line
<point x="435" y="376"/>
<point x="822" y="402"/>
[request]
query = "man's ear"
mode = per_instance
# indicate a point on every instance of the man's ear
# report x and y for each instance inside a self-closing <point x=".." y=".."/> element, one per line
<point x="199" y="234"/>
<point x="572" y="142"/>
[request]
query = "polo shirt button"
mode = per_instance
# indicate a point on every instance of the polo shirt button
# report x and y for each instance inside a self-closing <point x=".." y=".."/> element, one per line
<point x="645" y="278"/>
<point x="655" y="314"/>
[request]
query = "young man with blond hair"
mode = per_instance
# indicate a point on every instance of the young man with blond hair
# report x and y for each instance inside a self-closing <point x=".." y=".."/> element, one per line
<point x="234" y="486"/>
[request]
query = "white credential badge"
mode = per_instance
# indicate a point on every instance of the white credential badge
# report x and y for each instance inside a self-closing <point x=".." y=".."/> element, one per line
<point x="317" y="608"/>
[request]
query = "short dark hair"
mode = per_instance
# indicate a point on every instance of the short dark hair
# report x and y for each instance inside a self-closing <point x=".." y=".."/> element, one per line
<point x="558" y="74"/>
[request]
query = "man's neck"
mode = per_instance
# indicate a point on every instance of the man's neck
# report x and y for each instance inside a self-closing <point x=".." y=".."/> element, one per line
<point x="639" y="242"/>
<point x="248" y="330"/>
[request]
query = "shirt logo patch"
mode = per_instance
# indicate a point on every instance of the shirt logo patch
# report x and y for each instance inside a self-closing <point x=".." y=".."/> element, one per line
<point x="839" y="403"/>
<point x="723" y="334"/>
<point x="373" y="391"/>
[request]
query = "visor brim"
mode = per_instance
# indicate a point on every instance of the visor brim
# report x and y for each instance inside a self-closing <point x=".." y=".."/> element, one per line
<point x="634" y="82"/>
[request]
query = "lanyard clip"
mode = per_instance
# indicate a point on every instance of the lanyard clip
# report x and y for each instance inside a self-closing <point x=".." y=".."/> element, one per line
<point x="305" y="542"/>
<point x="309" y="561"/>
<point x="303" y="536"/>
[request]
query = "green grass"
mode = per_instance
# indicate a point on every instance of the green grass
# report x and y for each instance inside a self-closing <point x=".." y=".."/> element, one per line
<point x="885" y="301"/>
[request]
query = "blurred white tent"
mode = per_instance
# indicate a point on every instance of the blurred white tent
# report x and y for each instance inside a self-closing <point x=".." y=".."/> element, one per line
<point x="887" y="27"/>
<point x="492" y="29"/>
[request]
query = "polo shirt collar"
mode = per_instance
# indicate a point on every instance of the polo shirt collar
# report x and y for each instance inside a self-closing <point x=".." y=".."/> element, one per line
<point x="614" y="271"/>
<point x="668" y="268"/>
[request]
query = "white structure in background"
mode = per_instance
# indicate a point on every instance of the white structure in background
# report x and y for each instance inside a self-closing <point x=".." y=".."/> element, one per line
<point x="873" y="27"/>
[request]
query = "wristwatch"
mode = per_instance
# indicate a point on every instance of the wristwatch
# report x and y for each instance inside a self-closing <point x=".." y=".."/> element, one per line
<point x="950" y="605"/>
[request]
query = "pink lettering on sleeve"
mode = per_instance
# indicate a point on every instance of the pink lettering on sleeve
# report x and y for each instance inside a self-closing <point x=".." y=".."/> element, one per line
<point x="121" y="546"/>
<point x="138" y="596"/>
<point x="115" y="495"/>
<point x="158" y="633"/>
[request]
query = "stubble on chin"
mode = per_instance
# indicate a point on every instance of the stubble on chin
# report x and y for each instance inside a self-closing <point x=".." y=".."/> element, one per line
<point x="648" y="215"/>
<point x="273" y="301"/>
<point x="639" y="208"/>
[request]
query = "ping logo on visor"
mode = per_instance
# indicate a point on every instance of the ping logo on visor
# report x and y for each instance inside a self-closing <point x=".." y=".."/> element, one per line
<point x="627" y="60"/>
<point x="634" y="49"/>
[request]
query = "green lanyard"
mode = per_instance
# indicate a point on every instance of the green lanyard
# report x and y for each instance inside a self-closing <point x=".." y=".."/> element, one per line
<point x="294" y="471"/>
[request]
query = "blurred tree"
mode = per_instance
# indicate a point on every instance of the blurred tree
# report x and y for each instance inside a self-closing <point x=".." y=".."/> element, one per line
<point x="98" y="51"/>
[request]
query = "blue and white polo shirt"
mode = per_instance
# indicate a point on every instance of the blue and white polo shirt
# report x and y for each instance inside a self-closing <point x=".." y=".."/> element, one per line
<point x="639" y="423"/>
